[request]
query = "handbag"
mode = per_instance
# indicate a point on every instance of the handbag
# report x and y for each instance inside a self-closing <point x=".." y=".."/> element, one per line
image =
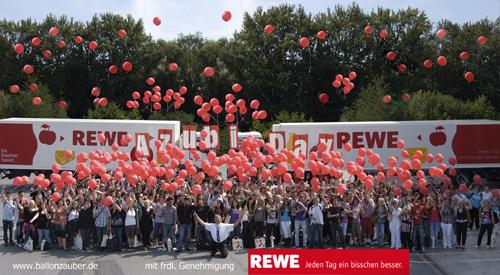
<point x="237" y="244"/>
<point x="105" y="238"/>
<point x="78" y="242"/>
<point x="260" y="242"/>
<point x="29" y="245"/>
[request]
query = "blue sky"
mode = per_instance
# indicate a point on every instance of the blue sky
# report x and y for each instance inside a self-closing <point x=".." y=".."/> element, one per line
<point x="189" y="16"/>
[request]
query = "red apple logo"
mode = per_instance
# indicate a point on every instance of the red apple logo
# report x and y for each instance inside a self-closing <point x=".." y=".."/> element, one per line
<point x="438" y="138"/>
<point x="46" y="136"/>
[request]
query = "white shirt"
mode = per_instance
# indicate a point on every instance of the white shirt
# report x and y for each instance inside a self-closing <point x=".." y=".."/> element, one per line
<point x="224" y="230"/>
<point x="9" y="210"/>
<point x="487" y="196"/>
<point x="317" y="214"/>
<point x="73" y="214"/>
<point x="395" y="213"/>
<point x="130" y="217"/>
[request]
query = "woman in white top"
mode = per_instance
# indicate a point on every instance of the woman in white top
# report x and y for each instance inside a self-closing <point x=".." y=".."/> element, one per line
<point x="272" y="222"/>
<point x="130" y="224"/>
<point x="395" y="224"/>
<point x="73" y="222"/>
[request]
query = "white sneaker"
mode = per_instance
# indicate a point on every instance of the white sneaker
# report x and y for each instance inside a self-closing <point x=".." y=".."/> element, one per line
<point x="477" y="246"/>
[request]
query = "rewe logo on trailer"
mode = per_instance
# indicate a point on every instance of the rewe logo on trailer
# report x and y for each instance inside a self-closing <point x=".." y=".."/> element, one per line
<point x="46" y="136"/>
<point x="274" y="261"/>
<point x="438" y="138"/>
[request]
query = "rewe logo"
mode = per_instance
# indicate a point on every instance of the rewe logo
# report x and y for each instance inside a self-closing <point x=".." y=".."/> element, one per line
<point x="274" y="261"/>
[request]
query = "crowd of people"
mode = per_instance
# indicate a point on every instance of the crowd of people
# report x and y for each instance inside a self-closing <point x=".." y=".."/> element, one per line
<point x="128" y="216"/>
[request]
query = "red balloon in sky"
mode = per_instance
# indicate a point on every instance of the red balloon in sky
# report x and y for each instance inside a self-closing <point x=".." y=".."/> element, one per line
<point x="481" y="40"/>
<point x="268" y="28"/>
<point x="54" y="31"/>
<point x="113" y="69"/>
<point x="406" y="97"/>
<point x="304" y="42"/>
<point x="464" y="56"/>
<point x="352" y="76"/>
<point x="150" y="81"/>
<point x="61" y="44"/>
<point x="28" y="69"/>
<point x="172" y="67"/>
<point x="36" y="41"/>
<point x="254" y="104"/>
<point x="157" y="21"/>
<point x="383" y="34"/>
<point x="226" y="16"/>
<point x="47" y="54"/>
<point x="441" y="33"/>
<point x="19" y="48"/>
<point x="321" y="35"/>
<point x="236" y="87"/>
<point x="96" y="91"/>
<point x="78" y="40"/>
<point x="92" y="45"/>
<point x="36" y="100"/>
<point x="387" y="99"/>
<point x="122" y="33"/>
<point x="62" y="105"/>
<point x="402" y="67"/>
<point x="428" y="64"/>
<point x="208" y="71"/>
<point x="469" y="76"/>
<point x="323" y="98"/>
<point x="391" y="55"/>
<point x="442" y="61"/>
<point x="368" y="29"/>
<point x="33" y="87"/>
<point x="14" y="89"/>
<point x="127" y="66"/>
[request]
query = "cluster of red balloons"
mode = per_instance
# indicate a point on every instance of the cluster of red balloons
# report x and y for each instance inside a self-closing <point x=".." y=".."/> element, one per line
<point x="232" y="107"/>
<point x="155" y="97"/>
<point x="346" y="81"/>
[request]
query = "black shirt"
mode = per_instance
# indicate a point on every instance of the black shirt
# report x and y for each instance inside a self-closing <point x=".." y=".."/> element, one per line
<point x="335" y="210"/>
<point x="85" y="218"/>
<point x="203" y="212"/>
<point x="42" y="222"/>
<point x="185" y="213"/>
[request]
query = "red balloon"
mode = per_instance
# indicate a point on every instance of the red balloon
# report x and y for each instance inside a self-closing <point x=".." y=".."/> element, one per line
<point x="402" y="67"/>
<point x="254" y="104"/>
<point x="96" y="91"/>
<point x="183" y="90"/>
<point x="463" y="188"/>
<point x="55" y="197"/>
<point x="93" y="45"/>
<point x="383" y="34"/>
<point x="208" y="71"/>
<point x="226" y="16"/>
<point x="172" y="67"/>
<point x="36" y="41"/>
<point x="78" y="40"/>
<point x="442" y="61"/>
<point x="391" y="55"/>
<point x="477" y="179"/>
<point x="481" y="40"/>
<point x="28" y="69"/>
<point x="61" y="44"/>
<point x="122" y="33"/>
<point x="268" y="28"/>
<point x="464" y="56"/>
<point x="387" y="99"/>
<point x="405" y="97"/>
<point x="107" y="201"/>
<point x="321" y="35"/>
<point x="352" y="76"/>
<point x="47" y="54"/>
<point x="262" y="114"/>
<point x="127" y="66"/>
<point x="36" y="101"/>
<point x="324" y="98"/>
<point x="441" y="33"/>
<point x="237" y="88"/>
<point x="19" y="48"/>
<point x="150" y="81"/>
<point x="304" y="42"/>
<point x="230" y="118"/>
<point x="54" y="31"/>
<point x="157" y="21"/>
<point x="113" y="69"/>
<point x="347" y="147"/>
<point x="33" y="87"/>
<point x="400" y="144"/>
<point x="469" y="76"/>
<point x="428" y="64"/>
<point x="368" y="29"/>
<point x="14" y="89"/>
<point x="336" y="83"/>
<point x="103" y="102"/>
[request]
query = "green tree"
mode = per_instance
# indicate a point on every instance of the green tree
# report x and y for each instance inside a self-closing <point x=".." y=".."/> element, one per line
<point x="112" y="111"/>
<point x="20" y="105"/>
<point x="184" y="118"/>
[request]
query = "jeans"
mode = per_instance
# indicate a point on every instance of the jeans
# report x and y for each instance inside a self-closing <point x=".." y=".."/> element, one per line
<point x="380" y="234"/>
<point x="169" y="232"/>
<point x="335" y="228"/>
<point x="118" y="233"/>
<point x="316" y="230"/>
<point x="300" y="224"/>
<point x="418" y="230"/>
<point x="447" y="231"/>
<point x="19" y="232"/>
<point x="100" y="233"/>
<point x="259" y="229"/>
<point x="7" y="226"/>
<point x="395" y="228"/>
<point x="435" y="227"/>
<point x="43" y="233"/>
<point x="85" y="233"/>
<point x="184" y="235"/>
